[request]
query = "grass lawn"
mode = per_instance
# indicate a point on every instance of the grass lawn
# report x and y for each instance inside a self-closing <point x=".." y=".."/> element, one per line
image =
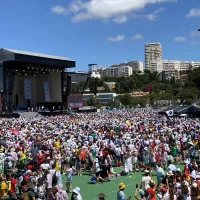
<point x="90" y="191"/>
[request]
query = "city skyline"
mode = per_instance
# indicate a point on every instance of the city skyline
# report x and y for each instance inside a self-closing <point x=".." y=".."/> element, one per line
<point x="101" y="31"/>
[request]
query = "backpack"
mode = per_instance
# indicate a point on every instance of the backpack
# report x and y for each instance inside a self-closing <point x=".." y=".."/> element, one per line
<point x="123" y="173"/>
<point x="8" y="183"/>
<point x="54" y="179"/>
<point x="25" y="196"/>
<point x="6" y="167"/>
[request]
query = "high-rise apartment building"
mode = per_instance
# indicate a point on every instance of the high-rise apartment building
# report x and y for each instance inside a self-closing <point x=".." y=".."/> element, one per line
<point x="156" y="66"/>
<point x="153" y="52"/>
<point x="172" y="65"/>
<point x="122" y="69"/>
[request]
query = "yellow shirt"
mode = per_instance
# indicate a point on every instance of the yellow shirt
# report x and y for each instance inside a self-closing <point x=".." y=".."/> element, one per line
<point x="57" y="166"/>
<point x="57" y="145"/>
<point x="1" y="149"/>
<point x="22" y="155"/>
<point x="4" y="188"/>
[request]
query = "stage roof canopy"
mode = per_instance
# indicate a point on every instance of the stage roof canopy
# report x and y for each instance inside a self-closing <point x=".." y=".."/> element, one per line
<point x="182" y="109"/>
<point x="7" y="55"/>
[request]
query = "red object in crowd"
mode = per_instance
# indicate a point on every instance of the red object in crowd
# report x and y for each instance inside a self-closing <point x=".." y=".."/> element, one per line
<point x="40" y="158"/>
<point x="186" y="170"/>
<point x="30" y="167"/>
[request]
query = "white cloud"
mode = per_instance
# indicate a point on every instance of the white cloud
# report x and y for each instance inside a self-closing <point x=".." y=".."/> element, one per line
<point x="117" y="10"/>
<point x="158" y="11"/>
<point x="194" y="33"/>
<point x="58" y="9"/>
<point x="120" y="19"/>
<point x="116" y="39"/>
<point x="152" y="16"/>
<point x="196" y="42"/>
<point x="194" y="12"/>
<point x="180" y="39"/>
<point x="137" y="37"/>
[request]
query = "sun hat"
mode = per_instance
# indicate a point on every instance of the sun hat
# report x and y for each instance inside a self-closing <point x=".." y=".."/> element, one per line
<point x="170" y="173"/>
<point x="122" y="186"/>
<point x="77" y="190"/>
<point x="186" y="161"/>
<point x="152" y="182"/>
<point x="194" y="185"/>
<point x="177" y="185"/>
<point x="146" y="148"/>
<point x="101" y="195"/>
<point x="185" y="183"/>
<point x="193" y="175"/>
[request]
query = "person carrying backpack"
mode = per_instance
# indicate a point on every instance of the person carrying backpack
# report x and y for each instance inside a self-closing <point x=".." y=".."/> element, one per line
<point x="29" y="193"/>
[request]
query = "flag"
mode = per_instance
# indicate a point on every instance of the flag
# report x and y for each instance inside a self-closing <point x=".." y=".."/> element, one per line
<point x="170" y="113"/>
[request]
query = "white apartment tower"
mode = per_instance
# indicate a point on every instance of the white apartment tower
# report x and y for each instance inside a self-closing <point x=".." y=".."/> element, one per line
<point x="153" y="52"/>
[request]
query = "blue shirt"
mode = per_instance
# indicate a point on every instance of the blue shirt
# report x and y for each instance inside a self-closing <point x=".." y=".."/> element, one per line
<point x="121" y="195"/>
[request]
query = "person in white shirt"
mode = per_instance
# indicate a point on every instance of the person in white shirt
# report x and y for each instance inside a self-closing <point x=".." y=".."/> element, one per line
<point x="48" y="180"/>
<point x="76" y="194"/>
<point x="145" y="180"/>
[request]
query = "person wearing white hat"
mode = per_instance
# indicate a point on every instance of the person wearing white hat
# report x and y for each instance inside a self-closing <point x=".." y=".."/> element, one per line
<point x="76" y="194"/>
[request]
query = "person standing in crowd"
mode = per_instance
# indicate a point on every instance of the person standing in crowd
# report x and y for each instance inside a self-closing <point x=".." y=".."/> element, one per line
<point x="69" y="174"/>
<point x="120" y="194"/>
<point x="159" y="173"/>
<point x="128" y="166"/>
<point x="76" y="194"/>
<point x="35" y="151"/>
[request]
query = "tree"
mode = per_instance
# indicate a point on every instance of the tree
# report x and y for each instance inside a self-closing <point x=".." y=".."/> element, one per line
<point x="114" y="104"/>
<point x="94" y="83"/>
<point x="194" y="76"/>
<point x="93" y="102"/>
<point x="125" y="99"/>
<point x="188" y="94"/>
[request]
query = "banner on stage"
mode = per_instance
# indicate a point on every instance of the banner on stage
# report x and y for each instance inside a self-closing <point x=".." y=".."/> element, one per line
<point x="27" y="89"/>
<point x="46" y="91"/>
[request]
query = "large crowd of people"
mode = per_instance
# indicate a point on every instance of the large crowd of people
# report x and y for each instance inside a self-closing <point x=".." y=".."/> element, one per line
<point x="36" y="153"/>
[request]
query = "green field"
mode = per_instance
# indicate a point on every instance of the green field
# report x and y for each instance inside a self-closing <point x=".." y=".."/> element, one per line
<point x="90" y="191"/>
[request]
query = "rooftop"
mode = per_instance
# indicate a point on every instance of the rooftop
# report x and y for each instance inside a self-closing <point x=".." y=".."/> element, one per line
<point x="37" y="54"/>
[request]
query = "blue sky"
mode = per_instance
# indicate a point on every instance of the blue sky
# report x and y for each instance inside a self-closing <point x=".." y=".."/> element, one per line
<point x="102" y="31"/>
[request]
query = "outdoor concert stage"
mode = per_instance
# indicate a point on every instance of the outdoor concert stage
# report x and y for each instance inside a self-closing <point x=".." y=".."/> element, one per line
<point x="31" y="80"/>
